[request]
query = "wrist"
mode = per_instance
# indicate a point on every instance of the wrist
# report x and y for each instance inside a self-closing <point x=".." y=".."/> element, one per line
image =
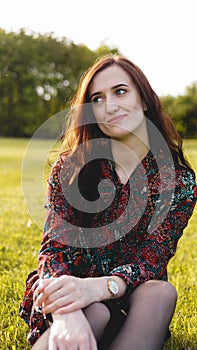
<point x="60" y="317"/>
<point x="106" y="287"/>
<point x="116" y="286"/>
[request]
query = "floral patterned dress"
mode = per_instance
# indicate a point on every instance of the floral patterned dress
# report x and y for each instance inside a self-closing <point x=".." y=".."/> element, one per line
<point x="133" y="237"/>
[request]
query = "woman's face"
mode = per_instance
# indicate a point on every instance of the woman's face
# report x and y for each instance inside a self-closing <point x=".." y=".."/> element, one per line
<point x="116" y="103"/>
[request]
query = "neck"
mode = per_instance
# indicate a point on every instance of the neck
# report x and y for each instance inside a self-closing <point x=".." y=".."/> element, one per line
<point x="137" y="144"/>
<point x="128" y="153"/>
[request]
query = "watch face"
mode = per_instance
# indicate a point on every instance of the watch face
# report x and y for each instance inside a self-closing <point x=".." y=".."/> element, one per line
<point x="113" y="287"/>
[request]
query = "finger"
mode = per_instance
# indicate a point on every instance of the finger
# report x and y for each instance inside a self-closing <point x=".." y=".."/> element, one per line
<point x="41" y="286"/>
<point x="85" y="344"/>
<point x="69" y="307"/>
<point x="65" y="343"/>
<point x="62" y="345"/>
<point x="45" y="291"/>
<point x="55" y="296"/>
<point x="93" y="343"/>
<point x="56" y="284"/>
<point x="57" y="304"/>
<point x="43" y="283"/>
<point x="61" y="298"/>
<point x="43" y="299"/>
<point x="52" y="344"/>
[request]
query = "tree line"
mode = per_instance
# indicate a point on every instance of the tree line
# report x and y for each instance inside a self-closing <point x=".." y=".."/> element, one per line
<point x="39" y="74"/>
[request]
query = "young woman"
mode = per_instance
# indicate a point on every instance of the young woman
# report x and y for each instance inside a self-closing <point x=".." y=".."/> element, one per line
<point x="120" y="195"/>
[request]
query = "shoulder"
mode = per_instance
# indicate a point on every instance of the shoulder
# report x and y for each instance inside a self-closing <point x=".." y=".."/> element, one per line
<point x="185" y="193"/>
<point x="185" y="181"/>
<point x="61" y="170"/>
<point x="63" y="162"/>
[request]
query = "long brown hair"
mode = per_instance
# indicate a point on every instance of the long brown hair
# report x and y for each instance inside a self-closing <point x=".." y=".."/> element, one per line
<point x="82" y="124"/>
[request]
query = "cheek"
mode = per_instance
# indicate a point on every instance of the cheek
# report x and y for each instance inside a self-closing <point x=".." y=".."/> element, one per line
<point x="137" y="117"/>
<point x="104" y="128"/>
<point x="135" y="103"/>
<point x="98" y="114"/>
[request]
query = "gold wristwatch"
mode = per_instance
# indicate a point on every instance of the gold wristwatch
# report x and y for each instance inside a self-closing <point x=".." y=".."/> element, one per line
<point x="112" y="287"/>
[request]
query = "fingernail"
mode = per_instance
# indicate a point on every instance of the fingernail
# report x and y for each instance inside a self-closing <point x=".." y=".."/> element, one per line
<point x="38" y="308"/>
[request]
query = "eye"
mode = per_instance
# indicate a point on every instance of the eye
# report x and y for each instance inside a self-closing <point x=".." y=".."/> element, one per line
<point x="120" y="91"/>
<point x="97" y="99"/>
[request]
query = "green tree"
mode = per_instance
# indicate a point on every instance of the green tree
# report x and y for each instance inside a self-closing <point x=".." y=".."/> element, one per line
<point x="38" y="75"/>
<point x="183" y="110"/>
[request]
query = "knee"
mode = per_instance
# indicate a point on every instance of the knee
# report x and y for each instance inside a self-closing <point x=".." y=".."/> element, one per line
<point x="166" y="300"/>
<point x="171" y="292"/>
<point x="167" y="292"/>
<point x="99" y="311"/>
<point x="154" y="290"/>
<point x="102" y="312"/>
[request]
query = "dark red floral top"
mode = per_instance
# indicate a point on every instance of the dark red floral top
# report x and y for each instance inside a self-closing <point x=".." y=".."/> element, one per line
<point x="131" y="231"/>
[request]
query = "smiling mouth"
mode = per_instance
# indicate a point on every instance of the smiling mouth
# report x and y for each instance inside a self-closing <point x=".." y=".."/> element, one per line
<point x="116" y="119"/>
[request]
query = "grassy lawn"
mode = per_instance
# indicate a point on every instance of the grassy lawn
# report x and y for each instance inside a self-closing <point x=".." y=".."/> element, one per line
<point x="20" y="242"/>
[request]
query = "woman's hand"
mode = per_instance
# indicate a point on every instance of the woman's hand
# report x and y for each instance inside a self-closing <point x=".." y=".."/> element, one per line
<point x="68" y="293"/>
<point x="71" y="332"/>
<point x="64" y="294"/>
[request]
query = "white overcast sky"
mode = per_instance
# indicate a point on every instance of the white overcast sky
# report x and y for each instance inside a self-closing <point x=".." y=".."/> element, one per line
<point x="160" y="36"/>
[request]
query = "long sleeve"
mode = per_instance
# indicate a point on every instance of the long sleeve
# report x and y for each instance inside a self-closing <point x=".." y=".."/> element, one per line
<point x="55" y="256"/>
<point x="62" y="252"/>
<point x="151" y="257"/>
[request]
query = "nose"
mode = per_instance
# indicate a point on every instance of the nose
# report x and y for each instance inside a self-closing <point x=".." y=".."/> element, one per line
<point x="111" y="107"/>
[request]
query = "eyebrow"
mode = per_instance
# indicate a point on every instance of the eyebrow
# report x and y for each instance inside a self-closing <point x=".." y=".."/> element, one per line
<point x="112" y="88"/>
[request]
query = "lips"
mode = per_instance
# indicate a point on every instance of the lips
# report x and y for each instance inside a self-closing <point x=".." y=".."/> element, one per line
<point x="116" y="119"/>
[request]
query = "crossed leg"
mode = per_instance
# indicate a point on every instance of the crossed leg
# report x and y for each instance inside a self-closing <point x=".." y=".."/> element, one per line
<point x="151" y="307"/>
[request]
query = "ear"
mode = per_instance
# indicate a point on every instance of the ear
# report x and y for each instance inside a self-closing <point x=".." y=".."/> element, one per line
<point x="144" y="107"/>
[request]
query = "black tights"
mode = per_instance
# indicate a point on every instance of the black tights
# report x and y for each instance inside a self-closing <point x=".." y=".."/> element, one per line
<point x="151" y="307"/>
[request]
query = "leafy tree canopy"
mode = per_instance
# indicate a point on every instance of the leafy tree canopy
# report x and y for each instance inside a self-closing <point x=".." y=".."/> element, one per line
<point x="39" y="74"/>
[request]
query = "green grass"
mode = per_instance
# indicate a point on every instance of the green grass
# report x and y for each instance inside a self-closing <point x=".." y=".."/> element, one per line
<point x="20" y="242"/>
